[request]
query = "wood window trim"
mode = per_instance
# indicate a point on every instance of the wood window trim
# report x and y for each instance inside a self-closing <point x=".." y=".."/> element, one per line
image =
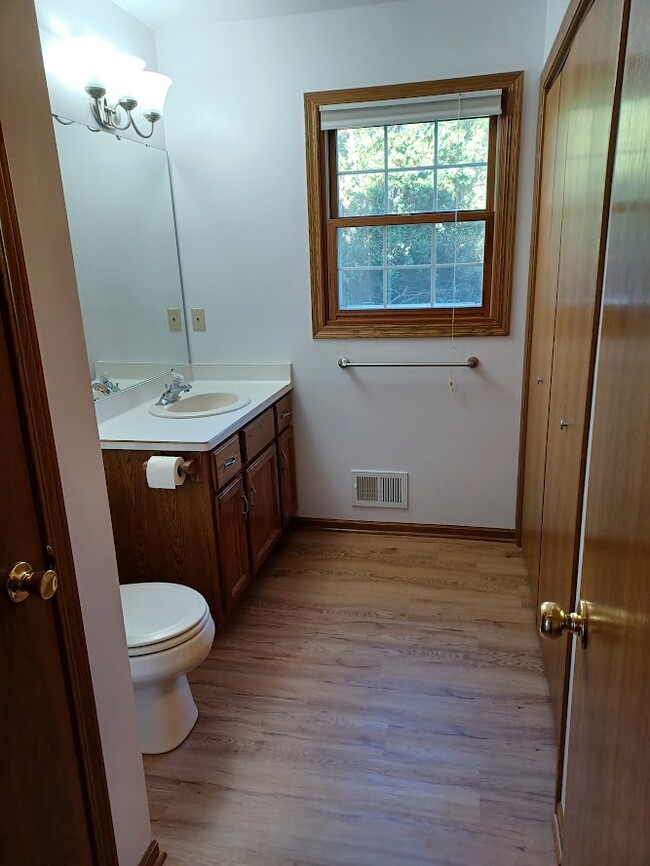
<point x="493" y="318"/>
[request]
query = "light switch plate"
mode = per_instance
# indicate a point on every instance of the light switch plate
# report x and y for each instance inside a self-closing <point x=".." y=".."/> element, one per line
<point x="198" y="319"/>
<point x="174" y="319"/>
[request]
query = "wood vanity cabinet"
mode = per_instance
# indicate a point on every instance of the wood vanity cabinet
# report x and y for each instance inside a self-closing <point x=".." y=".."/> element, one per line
<point x="287" y="464"/>
<point x="215" y="531"/>
<point x="232" y="541"/>
<point x="265" y="521"/>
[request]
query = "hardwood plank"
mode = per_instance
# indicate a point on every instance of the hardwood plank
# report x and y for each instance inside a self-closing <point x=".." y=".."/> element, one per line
<point x="374" y="701"/>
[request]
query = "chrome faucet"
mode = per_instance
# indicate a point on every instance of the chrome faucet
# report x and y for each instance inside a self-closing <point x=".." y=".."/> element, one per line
<point x="173" y="392"/>
<point x="104" y="385"/>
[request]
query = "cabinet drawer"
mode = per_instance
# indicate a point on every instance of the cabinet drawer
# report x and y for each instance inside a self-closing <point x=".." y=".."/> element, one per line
<point x="283" y="413"/>
<point x="227" y="461"/>
<point x="257" y="435"/>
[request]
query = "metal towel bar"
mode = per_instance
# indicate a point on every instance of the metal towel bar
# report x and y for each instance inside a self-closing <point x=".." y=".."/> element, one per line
<point x="471" y="362"/>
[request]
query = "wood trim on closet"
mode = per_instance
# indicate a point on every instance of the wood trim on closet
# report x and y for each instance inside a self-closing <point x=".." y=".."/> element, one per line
<point x="153" y="856"/>
<point x="571" y="23"/>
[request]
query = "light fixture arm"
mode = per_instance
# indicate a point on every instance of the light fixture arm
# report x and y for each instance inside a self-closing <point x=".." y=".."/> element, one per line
<point x="108" y="117"/>
<point x="135" y="126"/>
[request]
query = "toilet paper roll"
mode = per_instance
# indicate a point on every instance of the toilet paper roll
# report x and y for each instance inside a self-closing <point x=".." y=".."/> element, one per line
<point x="165" y="472"/>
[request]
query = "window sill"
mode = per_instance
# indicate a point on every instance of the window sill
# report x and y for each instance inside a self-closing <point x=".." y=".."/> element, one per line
<point x="339" y="330"/>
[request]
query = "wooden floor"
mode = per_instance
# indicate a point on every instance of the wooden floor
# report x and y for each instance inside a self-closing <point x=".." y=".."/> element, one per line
<point x="376" y="700"/>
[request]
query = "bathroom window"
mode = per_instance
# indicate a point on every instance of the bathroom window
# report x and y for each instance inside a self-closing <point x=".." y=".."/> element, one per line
<point x="412" y="194"/>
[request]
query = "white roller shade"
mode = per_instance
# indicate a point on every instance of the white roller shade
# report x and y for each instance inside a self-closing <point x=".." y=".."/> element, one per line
<point x="420" y="109"/>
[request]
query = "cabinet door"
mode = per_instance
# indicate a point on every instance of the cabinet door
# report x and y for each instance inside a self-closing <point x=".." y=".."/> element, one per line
<point x="264" y="524"/>
<point x="287" y="475"/>
<point x="232" y="511"/>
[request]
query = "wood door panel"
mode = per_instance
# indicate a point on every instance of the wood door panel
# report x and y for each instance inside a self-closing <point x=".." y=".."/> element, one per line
<point x="227" y="461"/>
<point x="283" y="413"/>
<point x="588" y="87"/>
<point x="265" y="523"/>
<point x="287" y="462"/>
<point x="258" y="434"/>
<point x="607" y="806"/>
<point x="543" y="330"/>
<point x="40" y="779"/>
<point x="232" y="509"/>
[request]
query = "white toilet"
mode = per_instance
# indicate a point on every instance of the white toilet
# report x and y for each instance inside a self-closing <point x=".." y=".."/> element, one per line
<point x="169" y="631"/>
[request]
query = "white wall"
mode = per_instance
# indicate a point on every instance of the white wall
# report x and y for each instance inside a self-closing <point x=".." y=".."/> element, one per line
<point x="555" y="10"/>
<point x="235" y="134"/>
<point x="29" y="138"/>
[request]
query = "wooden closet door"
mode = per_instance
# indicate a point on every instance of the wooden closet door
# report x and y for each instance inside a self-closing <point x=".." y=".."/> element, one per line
<point x="607" y="805"/>
<point x="543" y="329"/>
<point x="588" y="87"/>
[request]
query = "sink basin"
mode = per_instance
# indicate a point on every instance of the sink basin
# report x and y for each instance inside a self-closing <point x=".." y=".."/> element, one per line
<point x="202" y="405"/>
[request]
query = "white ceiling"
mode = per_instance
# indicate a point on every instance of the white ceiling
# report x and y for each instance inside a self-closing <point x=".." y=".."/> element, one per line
<point x="155" y="13"/>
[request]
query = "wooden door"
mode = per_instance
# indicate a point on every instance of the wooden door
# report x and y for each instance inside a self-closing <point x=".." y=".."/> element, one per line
<point x="264" y="523"/>
<point x="588" y="88"/>
<point x="547" y="258"/>
<point x="232" y="513"/>
<point x="607" y="808"/>
<point x="42" y="811"/>
<point x="287" y="463"/>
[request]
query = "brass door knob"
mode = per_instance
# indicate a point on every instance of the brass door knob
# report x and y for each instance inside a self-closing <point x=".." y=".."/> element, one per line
<point x="553" y="621"/>
<point x="23" y="581"/>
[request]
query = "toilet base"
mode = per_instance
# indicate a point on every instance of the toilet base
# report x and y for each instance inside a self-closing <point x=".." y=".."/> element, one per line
<point x="166" y="714"/>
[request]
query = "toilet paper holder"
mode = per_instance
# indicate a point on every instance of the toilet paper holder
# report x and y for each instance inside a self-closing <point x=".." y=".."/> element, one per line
<point x="189" y="467"/>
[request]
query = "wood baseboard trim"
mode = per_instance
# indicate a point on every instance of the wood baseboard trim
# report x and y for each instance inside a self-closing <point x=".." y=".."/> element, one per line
<point x="558" y="824"/>
<point x="153" y="856"/>
<point x="425" y="530"/>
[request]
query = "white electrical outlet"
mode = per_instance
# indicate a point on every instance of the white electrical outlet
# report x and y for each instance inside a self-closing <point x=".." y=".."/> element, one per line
<point x="174" y="319"/>
<point x="198" y="319"/>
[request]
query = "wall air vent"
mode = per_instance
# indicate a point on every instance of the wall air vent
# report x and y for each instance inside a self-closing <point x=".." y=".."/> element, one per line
<point x="380" y="489"/>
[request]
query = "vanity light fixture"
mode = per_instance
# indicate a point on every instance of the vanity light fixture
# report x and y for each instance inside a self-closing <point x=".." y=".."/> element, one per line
<point x="116" y="83"/>
<point x="128" y="86"/>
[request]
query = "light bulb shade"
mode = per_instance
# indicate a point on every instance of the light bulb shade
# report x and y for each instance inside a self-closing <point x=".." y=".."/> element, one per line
<point x="123" y="77"/>
<point x="81" y="61"/>
<point x="151" y="91"/>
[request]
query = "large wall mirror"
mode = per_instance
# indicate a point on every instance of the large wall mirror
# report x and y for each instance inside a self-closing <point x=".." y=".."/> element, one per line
<point x="119" y="205"/>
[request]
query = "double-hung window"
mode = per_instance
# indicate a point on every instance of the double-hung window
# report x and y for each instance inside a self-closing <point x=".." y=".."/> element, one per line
<point x="412" y="194"/>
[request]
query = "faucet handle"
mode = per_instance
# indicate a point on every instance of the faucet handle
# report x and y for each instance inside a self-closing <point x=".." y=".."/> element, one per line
<point x="177" y="378"/>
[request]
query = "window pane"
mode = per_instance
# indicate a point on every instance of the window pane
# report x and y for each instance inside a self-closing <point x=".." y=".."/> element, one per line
<point x="461" y="242"/>
<point x="361" y="194"/>
<point x="409" y="245"/>
<point x="468" y="290"/>
<point x="359" y="247"/>
<point x="409" y="287"/>
<point x="410" y="191"/>
<point x="463" y="141"/>
<point x="361" y="288"/>
<point x="411" y="145"/>
<point x="360" y="149"/>
<point x="462" y="188"/>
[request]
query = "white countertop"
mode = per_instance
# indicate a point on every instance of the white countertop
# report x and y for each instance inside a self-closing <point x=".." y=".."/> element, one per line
<point x="124" y="421"/>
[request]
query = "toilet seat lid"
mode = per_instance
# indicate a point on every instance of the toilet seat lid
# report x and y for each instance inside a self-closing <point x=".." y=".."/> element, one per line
<point x="155" y="612"/>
